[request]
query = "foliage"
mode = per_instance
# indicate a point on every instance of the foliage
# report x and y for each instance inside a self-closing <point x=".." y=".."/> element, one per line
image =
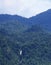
<point x="16" y="34"/>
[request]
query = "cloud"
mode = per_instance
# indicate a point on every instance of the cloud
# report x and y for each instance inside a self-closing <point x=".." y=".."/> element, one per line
<point x="24" y="8"/>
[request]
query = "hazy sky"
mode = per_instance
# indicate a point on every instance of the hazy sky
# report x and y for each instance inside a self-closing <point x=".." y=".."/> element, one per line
<point x="26" y="8"/>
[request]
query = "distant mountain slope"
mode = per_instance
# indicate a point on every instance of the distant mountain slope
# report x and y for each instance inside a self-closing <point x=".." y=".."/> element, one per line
<point x="14" y="23"/>
<point x="6" y="17"/>
<point x="43" y="19"/>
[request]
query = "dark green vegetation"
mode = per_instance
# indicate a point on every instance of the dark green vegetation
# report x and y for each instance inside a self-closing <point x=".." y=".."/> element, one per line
<point x="18" y="33"/>
<point x="43" y="19"/>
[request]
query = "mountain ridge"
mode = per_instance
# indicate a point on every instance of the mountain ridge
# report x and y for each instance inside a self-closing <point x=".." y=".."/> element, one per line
<point x="29" y="36"/>
<point x="42" y="19"/>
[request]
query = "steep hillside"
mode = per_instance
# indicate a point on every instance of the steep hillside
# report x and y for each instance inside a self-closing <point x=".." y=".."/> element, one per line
<point x="24" y="43"/>
<point x="14" y="23"/>
<point x="43" y="19"/>
<point x="35" y="46"/>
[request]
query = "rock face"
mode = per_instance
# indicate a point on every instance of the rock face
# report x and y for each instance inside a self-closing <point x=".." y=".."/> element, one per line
<point x="20" y="52"/>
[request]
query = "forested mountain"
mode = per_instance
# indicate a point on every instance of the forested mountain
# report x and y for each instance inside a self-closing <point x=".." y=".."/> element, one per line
<point x="43" y="19"/>
<point x="27" y="35"/>
<point x="14" y="23"/>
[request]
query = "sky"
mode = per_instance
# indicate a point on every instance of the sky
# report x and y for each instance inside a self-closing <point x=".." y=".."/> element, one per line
<point x="25" y="8"/>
